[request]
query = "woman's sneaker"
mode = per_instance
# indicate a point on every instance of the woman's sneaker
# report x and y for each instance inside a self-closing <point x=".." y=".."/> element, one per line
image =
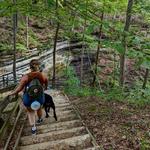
<point x="39" y="121"/>
<point x="33" y="130"/>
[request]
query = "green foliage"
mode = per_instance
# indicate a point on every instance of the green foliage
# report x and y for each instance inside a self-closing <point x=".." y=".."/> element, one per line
<point x="116" y="45"/>
<point x="20" y="47"/>
<point x="71" y="15"/>
<point x="139" y="96"/>
<point x="88" y="91"/>
<point x="142" y="7"/>
<point x="144" y="144"/>
<point x="5" y="47"/>
<point x="72" y="85"/>
<point x="115" y="93"/>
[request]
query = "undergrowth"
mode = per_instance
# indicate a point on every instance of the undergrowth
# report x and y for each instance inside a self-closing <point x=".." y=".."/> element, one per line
<point x="72" y="85"/>
<point x="136" y="96"/>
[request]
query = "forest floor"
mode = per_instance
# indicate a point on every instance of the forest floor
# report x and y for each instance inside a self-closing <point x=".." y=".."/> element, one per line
<point x="115" y="125"/>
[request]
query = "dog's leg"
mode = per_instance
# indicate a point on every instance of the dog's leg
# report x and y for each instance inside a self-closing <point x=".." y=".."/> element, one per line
<point x="55" y="116"/>
<point x="46" y="111"/>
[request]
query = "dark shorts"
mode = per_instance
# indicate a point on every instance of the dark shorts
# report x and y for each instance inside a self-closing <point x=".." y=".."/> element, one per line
<point x="27" y="100"/>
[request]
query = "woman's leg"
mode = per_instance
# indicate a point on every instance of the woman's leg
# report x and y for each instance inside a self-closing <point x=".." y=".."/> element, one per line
<point x="31" y="116"/>
<point x="41" y="101"/>
<point x="30" y="112"/>
<point x="39" y="113"/>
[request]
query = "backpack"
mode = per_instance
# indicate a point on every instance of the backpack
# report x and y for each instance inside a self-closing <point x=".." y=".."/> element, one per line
<point x="34" y="89"/>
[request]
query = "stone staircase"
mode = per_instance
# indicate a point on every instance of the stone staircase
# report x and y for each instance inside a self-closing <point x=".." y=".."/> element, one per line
<point x="68" y="133"/>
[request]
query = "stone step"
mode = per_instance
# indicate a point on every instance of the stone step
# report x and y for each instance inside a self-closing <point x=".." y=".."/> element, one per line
<point x="92" y="148"/>
<point x="54" y="127"/>
<point x="62" y="105"/>
<point x="59" y="113"/>
<point x="68" y="133"/>
<point x="58" y="98"/>
<point x="61" y="118"/>
<point x="52" y="136"/>
<point x="60" y="102"/>
<point x="76" y="143"/>
<point x="64" y="108"/>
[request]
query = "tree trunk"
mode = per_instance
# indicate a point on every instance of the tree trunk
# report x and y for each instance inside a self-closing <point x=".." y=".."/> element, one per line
<point x="98" y="48"/>
<point x="82" y="54"/>
<point x="55" y="44"/>
<point x="145" y="78"/>
<point x="82" y="50"/>
<point x="14" y="43"/>
<point x="126" y="29"/>
<point x="54" y="52"/>
<point x="27" y="32"/>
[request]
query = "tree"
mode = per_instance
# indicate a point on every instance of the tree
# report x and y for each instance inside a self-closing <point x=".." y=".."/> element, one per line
<point x="124" y="41"/>
<point x="98" y="46"/>
<point x="14" y="42"/>
<point x="55" y="44"/>
<point x="82" y="50"/>
<point x="27" y="32"/>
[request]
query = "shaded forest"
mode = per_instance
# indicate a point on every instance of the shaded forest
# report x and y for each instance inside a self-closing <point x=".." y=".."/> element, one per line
<point x="106" y="77"/>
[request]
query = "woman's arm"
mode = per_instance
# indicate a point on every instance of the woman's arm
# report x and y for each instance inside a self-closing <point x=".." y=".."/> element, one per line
<point x="21" y="85"/>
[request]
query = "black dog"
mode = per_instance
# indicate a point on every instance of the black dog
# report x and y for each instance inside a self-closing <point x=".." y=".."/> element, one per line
<point x="49" y="103"/>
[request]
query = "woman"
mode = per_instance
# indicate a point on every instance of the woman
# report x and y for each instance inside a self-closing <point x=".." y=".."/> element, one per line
<point x="25" y="80"/>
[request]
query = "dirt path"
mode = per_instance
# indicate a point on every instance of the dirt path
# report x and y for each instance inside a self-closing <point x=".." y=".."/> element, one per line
<point x="116" y="125"/>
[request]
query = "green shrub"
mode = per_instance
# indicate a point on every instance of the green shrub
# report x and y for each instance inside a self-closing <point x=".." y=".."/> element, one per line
<point x="5" y="47"/>
<point x="139" y="96"/>
<point x="20" y="47"/>
<point x="114" y="93"/>
<point x="72" y="85"/>
<point x="136" y="96"/>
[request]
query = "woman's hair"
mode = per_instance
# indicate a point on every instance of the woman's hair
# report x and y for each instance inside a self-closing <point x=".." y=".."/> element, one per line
<point x="35" y="65"/>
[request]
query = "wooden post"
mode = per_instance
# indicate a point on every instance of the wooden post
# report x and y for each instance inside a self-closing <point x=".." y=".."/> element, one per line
<point x="7" y="80"/>
<point x="3" y="80"/>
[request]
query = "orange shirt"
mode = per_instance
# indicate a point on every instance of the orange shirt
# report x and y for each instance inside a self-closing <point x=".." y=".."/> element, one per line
<point x="29" y="77"/>
<point x="37" y="75"/>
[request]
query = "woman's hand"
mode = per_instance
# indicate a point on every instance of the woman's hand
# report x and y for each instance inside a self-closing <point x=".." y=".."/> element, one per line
<point x="11" y="93"/>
